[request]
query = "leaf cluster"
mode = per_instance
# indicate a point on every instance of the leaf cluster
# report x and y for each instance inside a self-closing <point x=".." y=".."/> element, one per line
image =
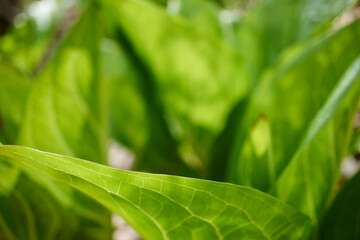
<point x="238" y="113"/>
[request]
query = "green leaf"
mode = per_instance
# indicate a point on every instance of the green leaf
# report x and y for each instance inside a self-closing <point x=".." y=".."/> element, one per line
<point x="311" y="176"/>
<point x="135" y="114"/>
<point x="194" y="103"/>
<point x="202" y="14"/>
<point x="342" y="221"/>
<point x="288" y="99"/>
<point x="14" y="88"/>
<point x="154" y="146"/>
<point x="355" y="142"/>
<point x="65" y="113"/>
<point x="278" y="24"/>
<point x="65" y="109"/>
<point x="8" y="178"/>
<point x="126" y="105"/>
<point x="309" y="103"/>
<point x="199" y="209"/>
<point x="30" y="213"/>
<point x="25" y="45"/>
<point x="16" y="218"/>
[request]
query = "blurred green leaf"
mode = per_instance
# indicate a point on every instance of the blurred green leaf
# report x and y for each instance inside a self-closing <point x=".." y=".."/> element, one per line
<point x="154" y="146"/>
<point x="252" y="93"/>
<point x="311" y="176"/>
<point x="70" y="78"/>
<point x="355" y="142"/>
<point x="14" y="88"/>
<point x="30" y="213"/>
<point x="198" y="208"/>
<point x="288" y="99"/>
<point x="65" y="113"/>
<point x="297" y="152"/>
<point x="278" y="24"/>
<point x="8" y="178"/>
<point x="203" y="14"/>
<point x="25" y="46"/>
<point x="194" y="103"/>
<point x="128" y="122"/>
<point x="16" y="218"/>
<point x="342" y="218"/>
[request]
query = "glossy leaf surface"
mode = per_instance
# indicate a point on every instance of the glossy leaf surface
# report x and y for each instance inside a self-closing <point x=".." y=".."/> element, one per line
<point x="169" y="207"/>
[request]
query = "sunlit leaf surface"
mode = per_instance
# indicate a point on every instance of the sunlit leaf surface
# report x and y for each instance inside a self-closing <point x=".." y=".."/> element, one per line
<point x="169" y="207"/>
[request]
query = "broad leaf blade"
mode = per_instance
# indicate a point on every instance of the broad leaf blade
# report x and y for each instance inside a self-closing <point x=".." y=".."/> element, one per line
<point x="169" y="207"/>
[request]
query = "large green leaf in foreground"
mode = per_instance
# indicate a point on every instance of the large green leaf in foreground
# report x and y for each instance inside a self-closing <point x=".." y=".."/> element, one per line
<point x="170" y="207"/>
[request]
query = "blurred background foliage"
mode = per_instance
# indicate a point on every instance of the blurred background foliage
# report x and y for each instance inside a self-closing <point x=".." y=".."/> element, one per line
<point x="225" y="90"/>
